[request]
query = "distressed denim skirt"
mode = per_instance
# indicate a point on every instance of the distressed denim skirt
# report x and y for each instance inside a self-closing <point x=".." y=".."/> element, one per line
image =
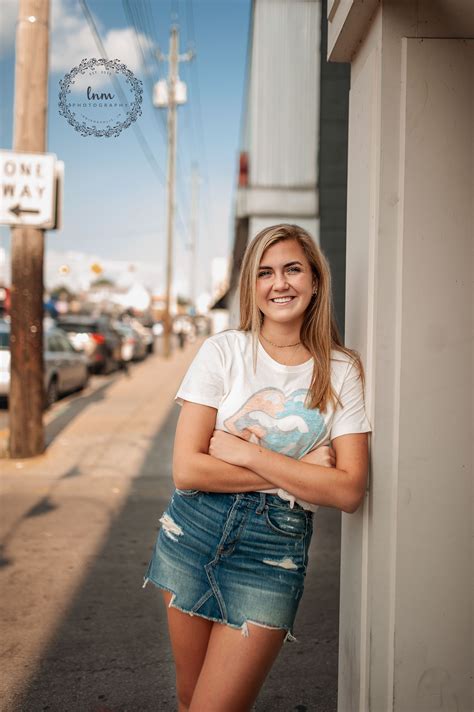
<point x="233" y="558"/>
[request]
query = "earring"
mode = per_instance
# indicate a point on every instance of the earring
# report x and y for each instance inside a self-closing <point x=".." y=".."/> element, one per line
<point x="315" y="291"/>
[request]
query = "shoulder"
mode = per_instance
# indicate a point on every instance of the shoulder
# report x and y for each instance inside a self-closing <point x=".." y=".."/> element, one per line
<point x="344" y="365"/>
<point x="340" y="359"/>
<point x="228" y="339"/>
<point x="225" y="344"/>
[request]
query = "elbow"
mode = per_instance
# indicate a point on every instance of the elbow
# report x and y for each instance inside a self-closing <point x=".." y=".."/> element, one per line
<point x="354" y="489"/>
<point x="350" y="507"/>
<point x="181" y="474"/>
<point x="182" y="478"/>
<point x="179" y="479"/>
<point x="353" y="501"/>
<point x="185" y="473"/>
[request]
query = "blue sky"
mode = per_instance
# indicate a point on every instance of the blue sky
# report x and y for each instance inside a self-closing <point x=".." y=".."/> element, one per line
<point x="114" y="205"/>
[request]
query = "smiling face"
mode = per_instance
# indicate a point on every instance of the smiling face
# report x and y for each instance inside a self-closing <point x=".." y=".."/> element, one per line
<point x="284" y="283"/>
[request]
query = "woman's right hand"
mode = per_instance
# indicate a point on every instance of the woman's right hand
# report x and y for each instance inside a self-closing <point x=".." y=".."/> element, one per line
<point x="324" y="455"/>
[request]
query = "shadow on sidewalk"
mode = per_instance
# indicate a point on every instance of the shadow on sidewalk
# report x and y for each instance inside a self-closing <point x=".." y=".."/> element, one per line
<point x="46" y="504"/>
<point x="111" y="651"/>
<point x="74" y="408"/>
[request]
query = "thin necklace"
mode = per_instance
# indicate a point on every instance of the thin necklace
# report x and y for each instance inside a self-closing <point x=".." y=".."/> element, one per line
<point x="279" y="346"/>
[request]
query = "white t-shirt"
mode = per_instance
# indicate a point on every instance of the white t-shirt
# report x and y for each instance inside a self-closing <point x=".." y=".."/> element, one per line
<point x="267" y="407"/>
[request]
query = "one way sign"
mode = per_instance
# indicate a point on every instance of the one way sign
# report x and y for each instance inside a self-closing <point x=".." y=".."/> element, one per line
<point x="27" y="189"/>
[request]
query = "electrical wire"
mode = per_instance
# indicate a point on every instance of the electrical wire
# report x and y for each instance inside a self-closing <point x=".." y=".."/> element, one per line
<point x="141" y="24"/>
<point x="144" y="145"/>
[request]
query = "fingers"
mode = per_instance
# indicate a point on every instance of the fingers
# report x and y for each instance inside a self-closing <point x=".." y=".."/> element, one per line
<point x="330" y="460"/>
<point x="331" y="456"/>
<point x="324" y="455"/>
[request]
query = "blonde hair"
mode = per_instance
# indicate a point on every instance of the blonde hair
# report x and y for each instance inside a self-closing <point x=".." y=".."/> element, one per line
<point x="319" y="332"/>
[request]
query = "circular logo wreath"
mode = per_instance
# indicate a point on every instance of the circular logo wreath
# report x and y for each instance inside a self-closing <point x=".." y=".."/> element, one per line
<point x="115" y="69"/>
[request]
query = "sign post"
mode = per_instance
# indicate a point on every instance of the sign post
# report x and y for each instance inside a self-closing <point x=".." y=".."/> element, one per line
<point x="26" y="398"/>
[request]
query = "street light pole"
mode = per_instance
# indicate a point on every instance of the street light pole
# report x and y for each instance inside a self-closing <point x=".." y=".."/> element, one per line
<point x="26" y="398"/>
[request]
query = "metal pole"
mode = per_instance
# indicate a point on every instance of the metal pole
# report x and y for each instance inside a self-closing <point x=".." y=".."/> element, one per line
<point x="26" y="399"/>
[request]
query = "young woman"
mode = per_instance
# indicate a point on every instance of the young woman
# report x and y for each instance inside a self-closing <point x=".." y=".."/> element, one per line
<point x="252" y="461"/>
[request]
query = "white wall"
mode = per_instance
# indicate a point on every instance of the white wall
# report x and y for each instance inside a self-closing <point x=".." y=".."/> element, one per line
<point x="406" y="626"/>
<point x="433" y="644"/>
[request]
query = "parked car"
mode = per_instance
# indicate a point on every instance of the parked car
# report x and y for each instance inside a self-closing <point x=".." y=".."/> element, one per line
<point x="65" y="369"/>
<point x="202" y="324"/>
<point x="97" y="338"/>
<point x="134" y="347"/>
<point x="158" y="328"/>
<point x="146" y="334"/>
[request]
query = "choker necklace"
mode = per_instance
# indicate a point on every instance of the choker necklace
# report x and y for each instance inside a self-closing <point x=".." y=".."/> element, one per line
<point x="278" y="346"/>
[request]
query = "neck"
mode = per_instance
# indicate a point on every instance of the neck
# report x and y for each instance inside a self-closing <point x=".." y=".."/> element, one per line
<point x="281" y="333"/>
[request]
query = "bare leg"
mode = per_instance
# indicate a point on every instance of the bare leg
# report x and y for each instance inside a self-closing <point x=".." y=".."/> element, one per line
<point x="235" y="668"/>
<point x="189" y="637"/>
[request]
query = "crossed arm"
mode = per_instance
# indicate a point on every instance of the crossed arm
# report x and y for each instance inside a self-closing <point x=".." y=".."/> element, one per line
<point x="216" y="461"/>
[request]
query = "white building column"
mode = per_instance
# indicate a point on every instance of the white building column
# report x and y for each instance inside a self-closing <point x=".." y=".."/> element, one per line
<point x="406" y="625"/>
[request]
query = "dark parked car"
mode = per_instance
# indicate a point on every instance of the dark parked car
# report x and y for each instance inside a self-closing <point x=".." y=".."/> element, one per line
<point x="65" y="369"/>
<point x="134" y="347"/>
<point x="97" y="338"/>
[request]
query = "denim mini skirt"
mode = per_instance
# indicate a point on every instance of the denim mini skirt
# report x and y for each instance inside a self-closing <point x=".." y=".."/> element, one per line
<point x="233" y="558"/>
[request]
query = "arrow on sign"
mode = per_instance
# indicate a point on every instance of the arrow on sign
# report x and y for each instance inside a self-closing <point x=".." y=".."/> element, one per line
<point x="17" y="210"/>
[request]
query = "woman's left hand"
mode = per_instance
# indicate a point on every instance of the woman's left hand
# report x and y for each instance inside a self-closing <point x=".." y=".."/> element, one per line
<point x="229" y="448"/>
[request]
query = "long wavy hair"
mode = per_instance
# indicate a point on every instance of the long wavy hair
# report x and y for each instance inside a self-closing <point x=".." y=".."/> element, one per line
<point x="319" y="332"/>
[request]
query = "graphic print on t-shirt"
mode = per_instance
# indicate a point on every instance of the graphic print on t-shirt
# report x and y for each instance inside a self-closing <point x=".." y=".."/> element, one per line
<point x="279" y="423"/>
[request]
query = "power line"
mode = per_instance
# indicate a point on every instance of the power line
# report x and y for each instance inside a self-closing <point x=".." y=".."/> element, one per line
<point x="141" y="24"/>
<point x="144" y="145"/>
<point x="182" y="185"/>
<point x="174" y="11"/>
<point x="152" y="23"/>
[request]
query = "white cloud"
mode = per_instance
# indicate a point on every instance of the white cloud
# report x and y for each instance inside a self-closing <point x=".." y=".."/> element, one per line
<point x="9" y="10"/>
<point x="120" y="44"/>
<point x="72" y="40"/>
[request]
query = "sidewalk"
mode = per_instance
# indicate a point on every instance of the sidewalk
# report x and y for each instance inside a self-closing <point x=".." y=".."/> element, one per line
<point x="79" y="633"/>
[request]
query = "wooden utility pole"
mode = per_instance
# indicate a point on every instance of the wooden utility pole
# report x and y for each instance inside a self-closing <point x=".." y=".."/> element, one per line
<point x="194" y="230"/>
<point x="172" y="100"/>
<point x="170" y="182"/>
<point x="26" y="399"/>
